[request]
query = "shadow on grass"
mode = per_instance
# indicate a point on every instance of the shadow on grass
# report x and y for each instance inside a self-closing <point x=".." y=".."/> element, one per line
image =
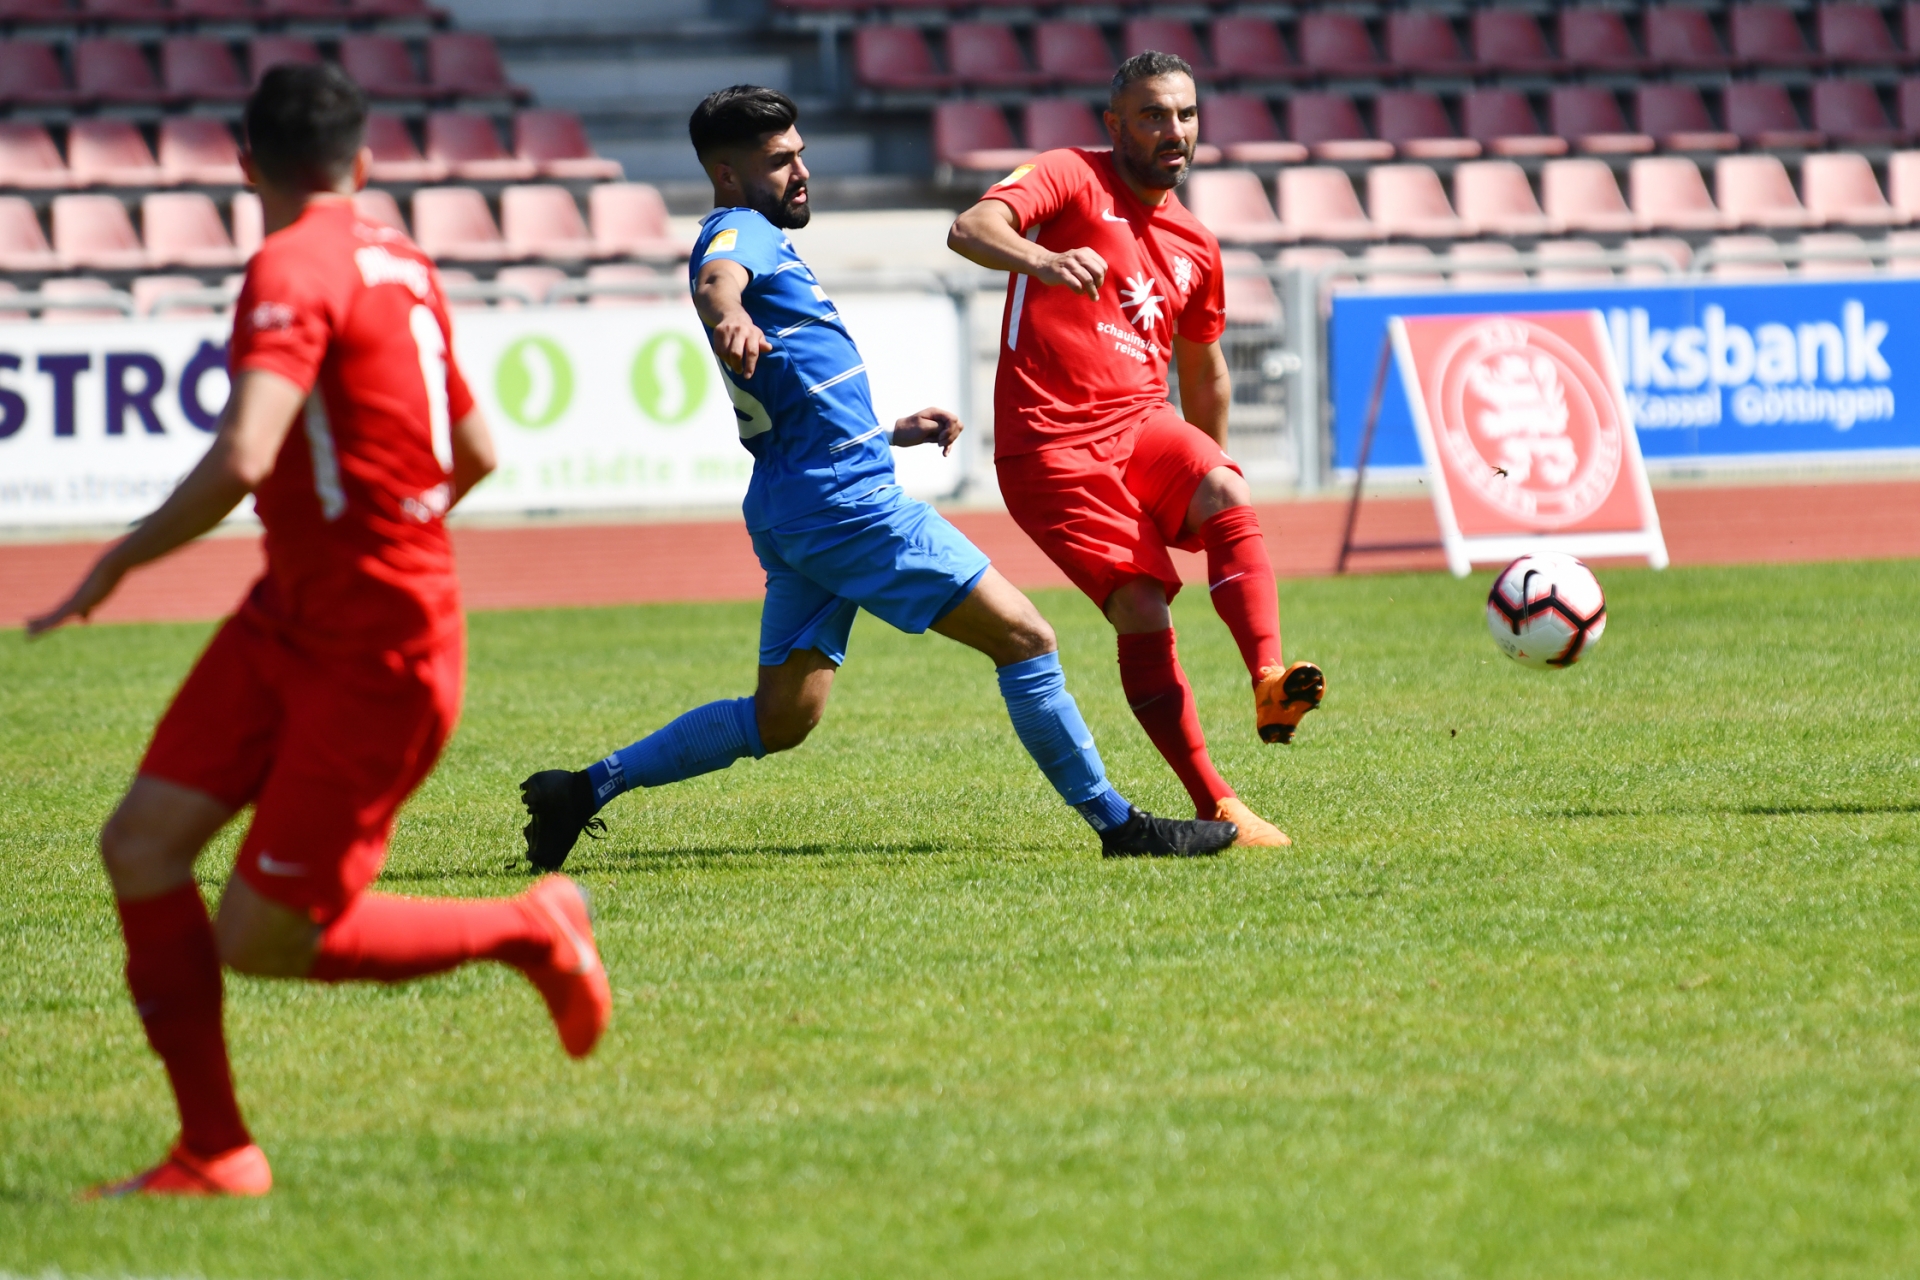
<point x="1746" y="811"/>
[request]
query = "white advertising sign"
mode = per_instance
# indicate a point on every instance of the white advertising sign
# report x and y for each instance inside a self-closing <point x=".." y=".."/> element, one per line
<point x="591" y="407"/>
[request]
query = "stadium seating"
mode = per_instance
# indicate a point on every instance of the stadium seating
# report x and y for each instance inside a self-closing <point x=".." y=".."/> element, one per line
<point x="199" y="150"/>
<point x="372" y="204"/>
<point x="1496" y="196"/>
<point x="1668" y="192"/>
<point x="23" y="245"/>
<point x="1329" y="126"/>
<point x="267" y="52"/>
<point x="28" y="158"/>
<point x="149" y="291"/>
<point x="455" y="223"/>
<point x="1233" y="204"/>
<point x="1757" y="252"/>
<point x="1755" y="191"/>
<point x="1246" y="290"/>
<point x="1170" y="36"/>
<point x="556" y="144"/>
<point x="95" y="232"/>
<point x="896" y="58"/>
<point x="1826" y="250"/>
<point x="1502" y="121"/>
<point x="108" y="69"/>
<point x="183" y="229"/>
<point x="1319" y="202"/>
<point x="31" y="76"/>
<point x="396" y="157"/>
<point x="1677" y="118"/>
<point x="1582" y="195"/>
<point x="1574" y="271"/>
<point x="974" y="136"/>
<point x="1072" y="53"/>
<point x="1415" y="123"/>
<point x="1424" y="42"/>
<point x="110" y="153"/>
<point x="1768" y="35"/>
<point x="1841" y="188"/>
<point x="1244" y="130"/>
<point x="468" y="65"/>
<point x="1494" y="275"/>
<point x="1850" y="113"/>
<point x="1250" y="48"/>
<point x="76" y="289"/>
<point x="1510" y="40"/>
<point x="1761" y="113"/>
<point x="469" y="146"/>
<point x="1589" y="117"/>
<point x="985" y="53"/>
<point x="382" y="66"/>
<point x="1063" y="122"/>
<point x="202" y="69"/>
<point x="1338" y="44"/>
<point x="544" y="222"/>
<point x="630" y="219"/>
<point x="1408" y="200"/>
<point x="250" y="222"/>
<point x="532" y="282"/>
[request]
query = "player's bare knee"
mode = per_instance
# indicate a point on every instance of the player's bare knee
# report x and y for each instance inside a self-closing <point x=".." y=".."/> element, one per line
<point x="1031" y="636"/>
<point x="1221" y="489"/>
<point x="130" y="854"/>
<point x="784" y="728"/>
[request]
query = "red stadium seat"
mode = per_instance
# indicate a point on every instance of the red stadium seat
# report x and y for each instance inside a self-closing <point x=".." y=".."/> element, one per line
<point x="455" y="223"/>
<point x="1761" y="113"/>
<point x="1337" y="44"/>
<point x="628" y="273"/>
<point x="1063" y="122"/>
<point x="395" y="156"/>
<point x="630" y="219"/>
<point x="1676" y="251"/>
<point x="1676" y="117"/>
<point x="150" y="291"/>
<point x="1581" y="195"/>
<point x="974" y="136"/>
<point x="375" y="205"/>
<point x="124" y="10"/>
<point x="1510" y="40"/>
<point x="1840" y="188"/>
<point x="1495" y="196"/>
<point x="1589" y="117"/>
<point x="1850" y="112"/>
<point x="1422" y="40"/>
<point x="1400" y="281"/>
<point x="31" y="11"/>
<point x="199" y="149"/>
<point x="30" y="76"/>
<point x="382" y="67"/>
<point x="321" y="9"/>
<point x="28" y="158"/>
<point x="1243" y="128"/>
<point x="1857" y="34"/>
<point x="1598" y="39"/>
<point x="1745" y="258"/>
<point x="217" y="10"/>
<point x="469" y="65"/>
<point x="1167" y="35"/>
<point x="23" y="245"/>
<point x="985" y="53"/>
<point x="886" y="57"/>
<point x="1826" y="258"/>
<point x="1246" y="289"/>
<point x="1571" y="251"/>
<point x="109" y="69"/>
<point x="555" y="141"/>
<point x="1251" y="49"/>
<point x="1668" y="192"/>
<point x="111" y="153"/>
<point x="532" y="283"/>
<point x="1682" y="38"/>
<point x="395" y="9"/>
<point x="250" y="221"/>
<point x="78" y="288"/>
<point x="1318" y="203"/>
<point x="1233" y="205"/>
<point x="266" y="52"/>
<point x="1907" y="106"/>
<point x="183" y="230"/>
<point x="470" y="148"/>
<point x="1073" y="53"/>
<point x="1768" y="35"/>
<point x="1755" y="191"/>
<point x="1417" y="125"/>
<point x="1408" y="200"/>
<point x="1903" y="186"/>
<point x="201" y="68"/>
<point x="1329" y="126"/>
<point x="544" y="222"/>
<point x="460" y="286"/>
<point x="1502" y="121"/>
<point x="95" y="232"/>
<point x="1494" y="254"/>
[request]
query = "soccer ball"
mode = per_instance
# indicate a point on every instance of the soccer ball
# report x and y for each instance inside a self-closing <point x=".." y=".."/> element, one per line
<point x="1546" y="610"/>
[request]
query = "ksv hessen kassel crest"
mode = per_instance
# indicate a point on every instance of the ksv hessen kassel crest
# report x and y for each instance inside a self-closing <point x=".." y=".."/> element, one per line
<point x="1527" y="422"/>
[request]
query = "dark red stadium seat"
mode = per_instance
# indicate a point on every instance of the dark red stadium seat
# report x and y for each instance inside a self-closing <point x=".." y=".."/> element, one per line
<point x="382" y="66"/>
<point x="469" y="65"/>
<point x="1853" y="33"/>
<point x="124" y="10"/>
<point x="1590" y="118"/>
<point x="1072" y="53"/>
<point x="302" y="9"/>
<point x="396" y="157"/>
<point x="1417" y="124"/>
<point x="889" y="57"/>
<point x="468" y="145"/>
<point x="985" y="53"/>
<point x="30" y="76"/>
<point x="1511" y="40"/>
<point x="1502" y="121"/>
<point x="974" y="135"/>
<point x="1676" y="117"/>
<point x="1167" y="35"/>
<point x="28" y="11"/>
<point x="1425" y="41"/>
<point x="217" y="10"/>
<point x="1761" y="113"/>
<point x="201" y="68"/>
<point x="1244" y="130"/>
<point x="1337" y="44"/>
<point x="1329" y="125"/>
<point x="1910" y="27"/>
<point x="395" y="9"/>
<point x="1850" y="113"/>
<point x="1683" y="38"/>
<point x="1907" y="106"/>
<point x="28" y="157"/>
<point x="1768" y="35"/>
<point x="1598" y="39"/>
<point x="1063" y="122"/>
<point x="109" y="69"/>
<point x="1251" y="49"/>
<point x="265" y="52"/>
<point x="556" y="142"/>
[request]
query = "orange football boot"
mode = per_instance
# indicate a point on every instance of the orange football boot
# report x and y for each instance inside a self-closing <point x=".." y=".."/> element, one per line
<point x="242" y="1171"/>
<point x="1282" y="697"/>
<point x="573" y="981"/>
<point x="1255" y="831"/>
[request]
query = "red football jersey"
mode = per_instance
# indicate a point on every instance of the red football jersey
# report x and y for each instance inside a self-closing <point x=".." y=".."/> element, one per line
<point x="357" y="549"/>
<point x="1073" y="369"/>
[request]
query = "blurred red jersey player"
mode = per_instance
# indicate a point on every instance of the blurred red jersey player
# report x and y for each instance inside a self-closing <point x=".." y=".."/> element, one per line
<point x="1113" y="279"/>
<point x="325" y="700"/>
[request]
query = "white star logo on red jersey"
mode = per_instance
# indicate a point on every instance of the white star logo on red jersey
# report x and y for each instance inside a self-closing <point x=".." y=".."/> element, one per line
<point x="1139" y="295"/>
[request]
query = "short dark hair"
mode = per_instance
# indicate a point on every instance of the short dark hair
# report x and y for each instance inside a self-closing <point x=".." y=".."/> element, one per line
<point x="1150" y="65"/>
<point x="739" y="116"/>
<point x="305" y="124"/>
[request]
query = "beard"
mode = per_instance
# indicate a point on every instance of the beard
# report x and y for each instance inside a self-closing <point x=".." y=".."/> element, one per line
<point x="780" y="210"/>
<point x="1139" y="162"/>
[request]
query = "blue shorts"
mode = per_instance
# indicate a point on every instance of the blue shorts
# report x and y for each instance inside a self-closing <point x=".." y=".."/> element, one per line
<point x="889" y="554"/>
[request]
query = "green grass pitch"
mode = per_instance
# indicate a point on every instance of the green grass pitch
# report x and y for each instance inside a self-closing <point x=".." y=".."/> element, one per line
<point x="1609" y="972"/>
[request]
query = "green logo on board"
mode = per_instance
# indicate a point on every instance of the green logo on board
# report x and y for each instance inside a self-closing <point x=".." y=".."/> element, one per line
<point x="670" y="378"/>
<point x="534" y="382"/>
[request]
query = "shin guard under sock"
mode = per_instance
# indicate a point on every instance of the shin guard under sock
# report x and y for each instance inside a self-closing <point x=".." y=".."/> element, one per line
<point x="1162" y="701"/>
<point x="703" y="740"/>
<point x="1049" y="725"/>
<point x="1240" y="582"/>
<point x="383" y="938"/>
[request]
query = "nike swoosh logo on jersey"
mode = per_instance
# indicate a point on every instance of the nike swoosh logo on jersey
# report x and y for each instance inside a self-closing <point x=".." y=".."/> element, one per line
<point x="274" y="867"/>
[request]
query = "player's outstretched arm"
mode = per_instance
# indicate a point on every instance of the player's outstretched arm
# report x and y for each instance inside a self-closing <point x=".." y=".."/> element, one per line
<point x="473" y="455"/>
<point x="989" y="234"/>
<point x="737" y="340"/>
<point x="1206" y="388"/>
<point x="252" y="428"/>
<point x="930" y="425"/>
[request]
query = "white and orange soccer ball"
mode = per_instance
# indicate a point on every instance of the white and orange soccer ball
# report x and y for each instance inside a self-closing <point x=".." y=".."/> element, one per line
<point x="1546" y="610"/>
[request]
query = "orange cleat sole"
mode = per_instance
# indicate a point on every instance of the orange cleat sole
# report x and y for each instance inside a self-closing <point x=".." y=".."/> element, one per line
<point x="1282" y="698"/>
<point x="573" y="982"/>
<point x="1255" y="831"/>
<point x="243" y="1171"/>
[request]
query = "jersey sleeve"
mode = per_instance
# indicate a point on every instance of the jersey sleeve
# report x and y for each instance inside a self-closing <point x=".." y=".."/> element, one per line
<point x="1204" y="317"/>
<point x="459" y="395"/>
<point x="1037" y="191"/>
<point x="747" y="239"/>
<point x="282" y="321"/>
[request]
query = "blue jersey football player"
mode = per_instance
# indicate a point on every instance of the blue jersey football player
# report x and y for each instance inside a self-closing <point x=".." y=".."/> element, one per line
<point x="830" y="524"/>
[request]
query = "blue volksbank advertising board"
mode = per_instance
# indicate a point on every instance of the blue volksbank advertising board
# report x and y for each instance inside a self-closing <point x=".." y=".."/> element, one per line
<point x="1714" y="372"/>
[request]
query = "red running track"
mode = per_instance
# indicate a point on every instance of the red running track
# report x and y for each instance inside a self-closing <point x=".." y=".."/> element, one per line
<point x="543" y="566"/>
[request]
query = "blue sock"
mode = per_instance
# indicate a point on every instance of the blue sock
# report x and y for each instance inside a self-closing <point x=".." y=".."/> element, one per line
<point x="1050" y="728"/>
<point x="704" y="739"/>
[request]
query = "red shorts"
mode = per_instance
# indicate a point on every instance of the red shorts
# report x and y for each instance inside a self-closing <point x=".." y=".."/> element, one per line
<point x="1107" y="511"/>
<point x="325" y="748"/>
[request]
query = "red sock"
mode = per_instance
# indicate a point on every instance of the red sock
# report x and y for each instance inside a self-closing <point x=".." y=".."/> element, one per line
<point x="173" y="970"/>
<point x="382" y="938"/>
<point x="1162" y="701"/>
<point x="1240" y="578"/>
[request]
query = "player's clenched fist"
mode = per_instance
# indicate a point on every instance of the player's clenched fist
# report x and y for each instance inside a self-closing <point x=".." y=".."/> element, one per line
<point x="1081" y="270"/>
<point x="938" y="426"/>
<point x="739" y="343"/>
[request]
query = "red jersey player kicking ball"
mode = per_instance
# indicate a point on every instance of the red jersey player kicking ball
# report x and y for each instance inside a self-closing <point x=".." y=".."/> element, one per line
<point x="326" y="699"/>
<point x="1113" y="278"/>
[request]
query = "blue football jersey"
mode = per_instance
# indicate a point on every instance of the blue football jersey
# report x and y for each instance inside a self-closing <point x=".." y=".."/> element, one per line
<point x="806" y="414"/>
